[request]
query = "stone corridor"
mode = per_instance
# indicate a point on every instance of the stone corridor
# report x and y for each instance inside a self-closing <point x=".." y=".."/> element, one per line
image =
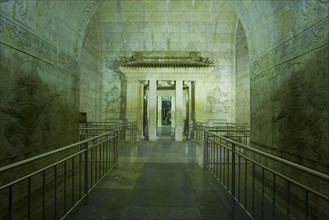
<point x="158" y="180"/>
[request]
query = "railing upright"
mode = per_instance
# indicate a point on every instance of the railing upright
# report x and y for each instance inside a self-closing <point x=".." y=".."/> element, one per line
<point x="85" y="201"/>
<point x="233" y="175"/>
<point x="261" y="186"/>
<point x="116" y="152"/>
<point x="205" y="153"/>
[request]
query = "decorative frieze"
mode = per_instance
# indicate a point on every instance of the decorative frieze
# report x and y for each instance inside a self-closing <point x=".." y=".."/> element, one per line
<point x="21" y="7"/>
<point x="243" y="15"/>
<point x="290" y="106"/>
<point x="141" y="60"/>
<point x="311" y="38"/>
<point x="83" y="23"/>
<point x="23" y="40"/>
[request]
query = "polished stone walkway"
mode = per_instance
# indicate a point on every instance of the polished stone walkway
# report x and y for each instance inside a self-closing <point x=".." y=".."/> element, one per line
<point x="158" y="180"/>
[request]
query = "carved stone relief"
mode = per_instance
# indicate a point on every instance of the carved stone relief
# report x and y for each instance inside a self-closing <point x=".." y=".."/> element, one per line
<point x="311" y="8"/>
<point x="83" y="23"/>
<point x="24" y="109"/>
<point x="112" y="97"/>
<point x="217" y="101"/>
<point x="19" y="38"/>
<point x="300" y="113"/>
<point x="21" y="7"/>
<point x="313" y="37"/>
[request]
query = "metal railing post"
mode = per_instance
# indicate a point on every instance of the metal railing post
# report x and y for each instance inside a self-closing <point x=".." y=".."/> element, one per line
<point x="233" y="175"/>
<point x="205" y="153"/>
<point x="86" y="173"/>
<point x="116" y="153"/>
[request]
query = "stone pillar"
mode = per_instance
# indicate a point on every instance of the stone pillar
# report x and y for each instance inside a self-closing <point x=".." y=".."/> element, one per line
<point x="173" y="112"/>
<point x="179" y="111"/>
<point x="152" y="106"/>
<point x="190" y="112"/>
<point x="189" y="99"/>
<point x="140" y="109"/>
<point x="159" y="111"/>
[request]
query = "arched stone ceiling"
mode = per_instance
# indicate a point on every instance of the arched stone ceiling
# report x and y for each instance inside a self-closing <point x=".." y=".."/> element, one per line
<point x="62" y="22"/>
<point x="157" y="25"/>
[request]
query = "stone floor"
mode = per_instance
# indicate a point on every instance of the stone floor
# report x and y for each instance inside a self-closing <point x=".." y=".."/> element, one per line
<point x="158" y="180"/>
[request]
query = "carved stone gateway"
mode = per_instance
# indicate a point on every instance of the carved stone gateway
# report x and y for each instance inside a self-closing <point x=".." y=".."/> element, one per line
<point x="164" y="69"/>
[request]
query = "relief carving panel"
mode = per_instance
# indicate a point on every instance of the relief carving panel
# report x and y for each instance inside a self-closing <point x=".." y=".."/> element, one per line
<point x="300" y="119"/>
<point x="313" y="37"/>
<point x="21" y="39"/>
<point x="113" y="97"/>
<point x="113" y="90"/>
<point x="217" y="101"/>
<point x="24" y="112"/>
<point x="38" y="101"/>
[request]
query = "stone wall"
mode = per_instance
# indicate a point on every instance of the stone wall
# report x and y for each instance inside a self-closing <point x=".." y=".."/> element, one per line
<point x="290" y="85"/>
<point x="39" y="94"/>
<point x="242" y="84"/>
<point x="220" y="89"/>
<point x="113" y="84"/>
<point x="90" y="85"/>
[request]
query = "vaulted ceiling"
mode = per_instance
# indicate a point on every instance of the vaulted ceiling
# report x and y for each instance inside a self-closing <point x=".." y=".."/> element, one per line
<point x="165" y="25"/>
<point x="162" y="24"/>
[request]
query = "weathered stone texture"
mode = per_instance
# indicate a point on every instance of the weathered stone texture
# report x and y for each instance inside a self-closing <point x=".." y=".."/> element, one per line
<point x="289" y="87"/>
<point x="90" y="77"/>
<point x="52" y="20"/>
<point x="39" y="96"/>
<point x="242" y="84"/>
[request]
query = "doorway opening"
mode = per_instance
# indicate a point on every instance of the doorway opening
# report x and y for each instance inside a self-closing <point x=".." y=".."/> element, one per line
<point x="165" y="128"/>
<point x="166" y="111"/>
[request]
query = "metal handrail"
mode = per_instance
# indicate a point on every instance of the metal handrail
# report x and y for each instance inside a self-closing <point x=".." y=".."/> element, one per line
<point x="70" y="179"/>
<point x="127" y="130"/>
<point x="200" y="127"/>
<point x="279" y="159"/>
<point x="224" y="158"/>
<point x="31" y="159"/>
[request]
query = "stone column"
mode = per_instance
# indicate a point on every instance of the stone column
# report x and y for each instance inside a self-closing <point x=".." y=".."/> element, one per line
<point x="190" y="112"/>
<point x="173" y="112"/>
<point x="152" y="106"/>
<point x="140" y="109"/>
<point x="159" y="111"/>
<point x="179" y="111"/>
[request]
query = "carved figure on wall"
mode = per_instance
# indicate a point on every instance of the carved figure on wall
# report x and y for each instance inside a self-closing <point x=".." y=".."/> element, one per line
<point x="113" y="98"/>
<point x="217" y="101"/>
<point x="302" y="114"/>
<point x="24" y="114"/>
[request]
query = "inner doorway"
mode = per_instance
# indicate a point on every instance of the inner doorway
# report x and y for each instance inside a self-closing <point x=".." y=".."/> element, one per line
<point x="161" y="119"/>
<point x="165" y="111"/>
<point x="165" y="128"/>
